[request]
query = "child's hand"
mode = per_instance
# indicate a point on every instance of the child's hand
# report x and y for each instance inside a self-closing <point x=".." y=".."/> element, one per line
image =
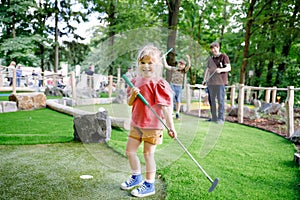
<point x="172" y="133"/>
<point x="135" y="91"/>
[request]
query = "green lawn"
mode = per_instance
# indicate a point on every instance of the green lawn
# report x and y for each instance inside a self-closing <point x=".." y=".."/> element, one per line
<point x="35" y="127"/>
<point x="250" y="163"/>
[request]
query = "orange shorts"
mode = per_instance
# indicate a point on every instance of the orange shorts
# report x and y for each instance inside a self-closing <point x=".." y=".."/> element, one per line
<point x="152" y="136"/>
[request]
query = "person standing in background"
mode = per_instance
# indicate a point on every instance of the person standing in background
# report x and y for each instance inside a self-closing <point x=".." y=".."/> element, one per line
<point x="90" y="72"/>
<point x="216" y="79"/>
<point x="19" y="75"/>
<point x="10" y="71"/>
<point x="177" y="80"/>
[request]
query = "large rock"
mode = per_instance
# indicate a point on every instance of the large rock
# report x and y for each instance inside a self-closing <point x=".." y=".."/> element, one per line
<point x="8" y="106"/>
<point x="234" y="112"/>
<point x="270" y="108"/>
<point x="92" y="128"/>
<point x="29" y="101"/>
<point x="121" y="97"/>
<point x="295" y="138"/>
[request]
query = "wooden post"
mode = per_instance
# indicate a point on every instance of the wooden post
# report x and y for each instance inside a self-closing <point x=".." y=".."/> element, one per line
<point x="241" y="103"/>
<point x="14" y="83"/>
<point x="188" y="97"/>
<point x="73" y="85"/>
<point x="54" y="80"/>
<point x="119" y="77"/>
<point x="267" y="97"/>
<point x="200" y="91"/>
<point x="248" y="94"/>
<point x="232" y="95"/>
<point x="1" y="79"/>
<point x="110" y="77"/>
<point x="274" y="94"/>
<point x="290" y="110"/>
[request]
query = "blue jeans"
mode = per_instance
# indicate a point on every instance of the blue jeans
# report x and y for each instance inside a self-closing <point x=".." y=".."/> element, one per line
<point x="18" y="81"/>
<point x="217" y="92"/>
<point x="177" y="90"/>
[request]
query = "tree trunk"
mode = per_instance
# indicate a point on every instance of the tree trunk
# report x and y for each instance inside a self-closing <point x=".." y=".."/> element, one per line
<point x="288" y="42"/>
<point x="247" y="42"/>
<point x="270" y="68"/>
<point x="112" y="19"/>
<point x="173" y="8"/>
<point x="225" y="16"/>
<point x="56" y="37"/>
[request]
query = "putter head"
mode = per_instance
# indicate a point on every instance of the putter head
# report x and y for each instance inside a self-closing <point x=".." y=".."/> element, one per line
<point x="214" y="185"/>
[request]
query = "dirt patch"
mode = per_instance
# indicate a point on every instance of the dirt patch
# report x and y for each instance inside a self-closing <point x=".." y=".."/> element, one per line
<point x="270" y="123"/>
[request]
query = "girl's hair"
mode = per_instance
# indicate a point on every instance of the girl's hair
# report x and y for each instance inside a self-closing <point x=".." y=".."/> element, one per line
<point x="154" y="53"/>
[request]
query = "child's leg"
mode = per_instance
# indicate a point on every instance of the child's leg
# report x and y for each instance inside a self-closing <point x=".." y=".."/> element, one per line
<point x="136" y="178"/>
<point x="131" y="149"/>
<point x="149" y="150"/>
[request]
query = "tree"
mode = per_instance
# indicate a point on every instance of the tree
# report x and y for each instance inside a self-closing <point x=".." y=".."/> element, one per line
<point x="292" y="32"/>
<point x="16" y="39"/>
<point x="173" y="8"/>
<point x="247" y="40"/>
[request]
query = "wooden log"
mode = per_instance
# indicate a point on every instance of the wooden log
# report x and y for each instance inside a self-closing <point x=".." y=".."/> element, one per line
<point x="274" y="94"/>
<point x="115" y="122"/>
<point x="188" y="97"/>
<point x="241" y="103"/>
<point x="267" y="98"/>
<point x="290" y="111"/>
<point x="232" y="95"/>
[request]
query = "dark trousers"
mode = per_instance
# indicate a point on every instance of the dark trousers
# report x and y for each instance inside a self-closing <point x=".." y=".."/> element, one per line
<point x="217" y="92"/>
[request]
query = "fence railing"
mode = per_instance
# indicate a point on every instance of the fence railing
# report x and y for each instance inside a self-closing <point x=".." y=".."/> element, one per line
<point x="244" y="95"/>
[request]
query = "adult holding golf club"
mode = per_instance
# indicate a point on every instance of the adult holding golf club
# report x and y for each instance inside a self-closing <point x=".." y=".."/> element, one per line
<point x="145" y="126"/>
<point x="216" y="79"/>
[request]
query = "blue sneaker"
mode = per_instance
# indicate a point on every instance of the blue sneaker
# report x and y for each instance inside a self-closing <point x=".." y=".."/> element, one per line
<point x="133" y="181"/>
<point x="145" y="190"/>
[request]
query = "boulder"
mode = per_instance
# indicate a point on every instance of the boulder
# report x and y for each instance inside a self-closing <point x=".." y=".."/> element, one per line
<point x="8" y="106"/>
<point x="121" y="97"/>
<point x="295" y="138"/>
<point x="270" y="108"/>
<point x="92" y="128"/>
<point x="29" y="101"/>
<point x="257" y="103"/>
<point x="234" y="111"/>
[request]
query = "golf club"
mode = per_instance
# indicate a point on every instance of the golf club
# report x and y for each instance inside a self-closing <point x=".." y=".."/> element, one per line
<point x="210" y="76"/>
<point x="166" y="53"/>
<point x="214" y="182"/>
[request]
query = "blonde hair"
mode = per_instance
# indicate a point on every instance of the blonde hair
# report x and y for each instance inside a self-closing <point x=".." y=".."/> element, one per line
<point x="13" y="63"/>
<point x="154" y="54"/>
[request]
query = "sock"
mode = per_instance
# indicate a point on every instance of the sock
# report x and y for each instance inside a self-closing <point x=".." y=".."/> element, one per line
<point x="150" y="181"/>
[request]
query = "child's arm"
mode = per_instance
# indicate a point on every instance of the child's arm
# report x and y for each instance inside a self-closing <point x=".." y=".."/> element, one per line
<point x="189" y="63"/>
<point x="134" y="92"/>
<point x="167" y="110"/>
<point x="168" y="67"/>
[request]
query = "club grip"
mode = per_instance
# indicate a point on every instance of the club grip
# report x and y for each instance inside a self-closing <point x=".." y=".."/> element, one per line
<point x="131" y="85"/>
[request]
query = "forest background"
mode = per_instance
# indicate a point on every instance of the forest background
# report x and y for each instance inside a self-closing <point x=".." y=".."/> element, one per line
<point x="261" y="37"/>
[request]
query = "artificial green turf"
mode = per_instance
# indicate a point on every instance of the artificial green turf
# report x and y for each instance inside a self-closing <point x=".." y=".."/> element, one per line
<point x="250" y="163"/>
<point x="52" y="171"/>
<point x="35" y="127"/>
